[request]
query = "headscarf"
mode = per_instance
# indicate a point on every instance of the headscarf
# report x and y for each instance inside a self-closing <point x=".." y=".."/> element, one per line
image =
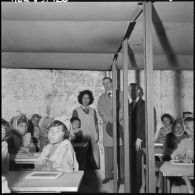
<point x="65" y="120"/>
<point x="17" y="120"/>
<point x="189" y="115"/>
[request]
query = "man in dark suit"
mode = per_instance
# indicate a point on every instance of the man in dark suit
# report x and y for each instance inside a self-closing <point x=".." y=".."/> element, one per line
<point x="137" y="135"/>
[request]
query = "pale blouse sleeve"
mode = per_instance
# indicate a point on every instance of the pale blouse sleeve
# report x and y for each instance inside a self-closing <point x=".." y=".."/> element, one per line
<point x="67" y="162"/>
<point x="180" y="150"/>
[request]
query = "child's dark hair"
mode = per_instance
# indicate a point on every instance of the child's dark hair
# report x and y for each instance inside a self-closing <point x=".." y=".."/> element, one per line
<point x="5" y="124"/>
<point x="57" y="123"/>
<point x="166" y="115"/>
<point x="74" y="118"/>
<point x="89" y="93"/>
<point x="188" y="119"/>
<point x="107" y="78"/>
<point x="35" y="115"/>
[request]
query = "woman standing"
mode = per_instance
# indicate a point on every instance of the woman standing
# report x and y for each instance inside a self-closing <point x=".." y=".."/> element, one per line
<point x="89" y="123"/>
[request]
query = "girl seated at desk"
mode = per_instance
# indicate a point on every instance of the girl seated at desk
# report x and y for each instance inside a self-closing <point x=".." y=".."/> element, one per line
<point x="19" y="140"/>
<point x="167" y="121"/>
<point x="34" y="129"/>
<point x="185" y="153"/>
<point x="59" y="154"/>
<point x="173" y="138"/>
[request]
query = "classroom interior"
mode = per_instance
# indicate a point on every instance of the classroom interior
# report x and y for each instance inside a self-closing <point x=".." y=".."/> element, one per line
<point x="52" y="51"/>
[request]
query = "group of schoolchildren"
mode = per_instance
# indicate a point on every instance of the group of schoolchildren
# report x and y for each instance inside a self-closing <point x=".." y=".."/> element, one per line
<point x="177" y="137"/>
<point x="50" y="137"/>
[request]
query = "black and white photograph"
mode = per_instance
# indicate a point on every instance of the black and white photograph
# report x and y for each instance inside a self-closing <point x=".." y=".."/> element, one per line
<point x="97" y="96"/>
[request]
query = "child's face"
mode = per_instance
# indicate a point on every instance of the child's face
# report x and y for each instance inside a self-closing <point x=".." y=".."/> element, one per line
<point x="190" y="126"/>
<point x="22" y="128"/>
<point x="76" y="124"/>
<point x="178" y="129"/>
<point x="166" y="121"/>
<point x="3" y="132"/>
<point x="56" y="134"/>
<point x="35" y="121"/>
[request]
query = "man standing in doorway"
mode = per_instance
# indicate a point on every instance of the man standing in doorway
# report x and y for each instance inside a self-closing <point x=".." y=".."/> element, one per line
<point x="105" y="110"/>
<point x="137" y="128"/>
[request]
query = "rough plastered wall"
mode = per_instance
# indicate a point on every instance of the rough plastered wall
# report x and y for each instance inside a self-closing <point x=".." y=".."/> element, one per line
<point x="53" y="92"/>
<point x="49" y="93"/>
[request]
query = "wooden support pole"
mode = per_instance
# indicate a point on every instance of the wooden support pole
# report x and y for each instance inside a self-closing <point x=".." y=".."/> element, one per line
<point x="126" y="118"/>
<point x="149" y="113"/>
<point x="114" y="87"/>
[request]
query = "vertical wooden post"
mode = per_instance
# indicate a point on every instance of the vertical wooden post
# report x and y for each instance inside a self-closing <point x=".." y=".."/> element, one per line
<point x="114" y="87"/>
<point x="149" y="113"/>
<point x="125" y="115"/>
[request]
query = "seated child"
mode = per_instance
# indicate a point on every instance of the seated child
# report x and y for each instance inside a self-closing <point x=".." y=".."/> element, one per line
<point x="33" y="125"/>
<point x="4" y="147"/>
<point x="186" y="114"/>
<point x="76" y="133"/>
<point x="18" y="139"/>
<point x="44" y="125"/>
<point x="58" y="154"/>
<point x="167" y="121"/>
<point x="173" y="139"/>
<point x="185" y="153"/>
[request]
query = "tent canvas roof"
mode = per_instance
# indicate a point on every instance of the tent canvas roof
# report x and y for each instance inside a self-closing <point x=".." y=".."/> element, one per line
<point x="85" y="35"/>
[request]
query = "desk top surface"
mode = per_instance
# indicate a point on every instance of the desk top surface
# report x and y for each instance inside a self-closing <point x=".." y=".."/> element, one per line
<point x="18" y="182"/>
<point x="79" y="144"/>
<point x="169" y="169"/>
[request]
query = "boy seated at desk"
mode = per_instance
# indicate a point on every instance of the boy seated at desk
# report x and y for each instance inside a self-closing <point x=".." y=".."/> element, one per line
<point x="19" y="140"/>
<point x="185" y="153"/>
<point x="58" y="154"/>
<point x="76" y="133"/>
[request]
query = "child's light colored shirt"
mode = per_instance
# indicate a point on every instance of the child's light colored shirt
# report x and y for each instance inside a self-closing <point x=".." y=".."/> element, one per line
<point x="185" y="148"/>
<point x="63" y="158"/>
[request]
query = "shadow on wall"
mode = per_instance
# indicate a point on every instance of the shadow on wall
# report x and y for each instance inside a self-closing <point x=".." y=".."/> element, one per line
<point x="172" y="59"/>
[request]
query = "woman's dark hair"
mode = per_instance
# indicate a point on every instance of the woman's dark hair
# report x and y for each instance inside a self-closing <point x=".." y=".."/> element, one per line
<point x="57" y="123"/>
<point x="82" y="93"/>
<point x="166" y="115"/>
<point x="74" y="118"/>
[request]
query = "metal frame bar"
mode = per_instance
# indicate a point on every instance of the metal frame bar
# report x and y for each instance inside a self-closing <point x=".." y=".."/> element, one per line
<point x="114" y="88"/>
<point x="126" y="117"/>
<point x="149" y="112"/>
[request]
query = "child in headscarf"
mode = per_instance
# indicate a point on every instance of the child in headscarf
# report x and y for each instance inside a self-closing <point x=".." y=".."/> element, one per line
<point x="19" y="140"/>
<point x="58" y="154"/>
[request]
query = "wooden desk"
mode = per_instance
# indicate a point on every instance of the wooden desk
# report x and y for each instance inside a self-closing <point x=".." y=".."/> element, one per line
<point x="158" y="151"/>
<point x="68" y="182"/>
<point x="81" y="150"/>
<point x="169" y="170"/>
<point x="24" y="158"/>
